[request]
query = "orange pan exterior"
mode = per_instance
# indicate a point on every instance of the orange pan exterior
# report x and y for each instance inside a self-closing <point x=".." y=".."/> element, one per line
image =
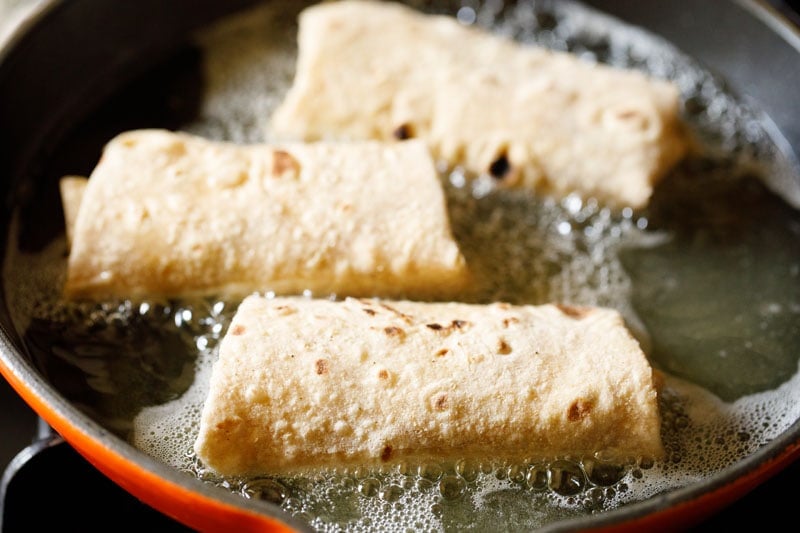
<point x="188" y="507"/>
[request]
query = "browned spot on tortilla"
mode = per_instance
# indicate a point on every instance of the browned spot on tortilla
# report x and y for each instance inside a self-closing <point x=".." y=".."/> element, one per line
<point x="176" y="149"/>
<point x="386" y="454"/>
<point x="510" y="320"/>
<point x="440" y="402"/>
<point x="383" y="374"/>
<point x="406" y="318"/>
<point x="500" y="167"/>
<point x="579" y="410"/>
<point x="226" y="425"/>
<point x="503" y="305"/>
<point x="627" y="113"/>
<point x="238" y="329"/>
<point x="658" y="379"/>
<point x="321" y="366"/>
<point x="284" y="310"/>
<point x="284" y="164"/>
<point x="442" y="352"/>
<point x="491" y="79"/>
<point x="503" y="348"/>
<point x="403" y="132"/>
<point x="632" y="118"/>
<point x="367" y="307"/>
<point x="503" y="170"/>
<point x="450" y="328"/>
<point x="168" y="269"/>
<point x="574" y="311"/>
<point x="394" y="331"/>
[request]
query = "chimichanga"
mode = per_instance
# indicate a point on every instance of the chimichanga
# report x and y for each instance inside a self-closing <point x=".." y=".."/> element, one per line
<point x="170" y="214"/>
<point x="525" y="115"/>
<point x="304" y="383"/>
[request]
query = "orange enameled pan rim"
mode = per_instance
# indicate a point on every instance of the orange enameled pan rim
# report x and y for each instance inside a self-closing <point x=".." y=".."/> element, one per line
<point x="187" y="500"/>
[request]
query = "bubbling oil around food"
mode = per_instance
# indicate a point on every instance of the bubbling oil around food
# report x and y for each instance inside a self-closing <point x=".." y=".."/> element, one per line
<point x="523" y="249"/>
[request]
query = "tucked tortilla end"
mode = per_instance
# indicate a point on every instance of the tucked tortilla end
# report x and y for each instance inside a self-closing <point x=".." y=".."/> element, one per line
<point x="72" y="189"/>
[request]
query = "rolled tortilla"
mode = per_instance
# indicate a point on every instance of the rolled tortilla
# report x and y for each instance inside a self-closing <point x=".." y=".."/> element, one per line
<point x="304" y="384"/>
<point x="525" y="115"/>
<point x="170" y="214"/>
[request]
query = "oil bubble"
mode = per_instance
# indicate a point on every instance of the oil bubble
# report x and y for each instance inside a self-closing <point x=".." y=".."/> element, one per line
<point x="565" y="478"/>
<point x="391" y="493"/>
<point x="369" y="487"/>
<point x="646" y="463"/>
<point x="536" y="477"/>
<point x="517" y="473"/>
<point x="265" y="489"/>
<point x="424" y="485"/>
<point x="452" y="487"/>
<point x="430" y="471"/>
<point x="467" y="470"/>
<point x="595" y="496"/>
<point x="602" y="473"/>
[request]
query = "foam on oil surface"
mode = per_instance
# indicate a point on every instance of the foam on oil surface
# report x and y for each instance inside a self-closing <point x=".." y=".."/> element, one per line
<point x="549" y="251"/>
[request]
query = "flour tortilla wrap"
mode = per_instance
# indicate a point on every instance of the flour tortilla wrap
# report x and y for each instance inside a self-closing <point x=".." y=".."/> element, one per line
<point x="170" y="214"/>
<point x="525" y="115"/>
<point x="308" y="383"/>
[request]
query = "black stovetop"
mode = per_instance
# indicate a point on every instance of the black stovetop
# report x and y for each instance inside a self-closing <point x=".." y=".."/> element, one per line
<point x="46" y="483"/>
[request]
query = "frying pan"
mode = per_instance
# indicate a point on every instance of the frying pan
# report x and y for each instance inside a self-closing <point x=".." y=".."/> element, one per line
<point x="79" y="71"/>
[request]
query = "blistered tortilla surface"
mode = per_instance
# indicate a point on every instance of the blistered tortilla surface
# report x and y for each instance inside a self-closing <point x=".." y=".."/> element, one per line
<point x="527" y="116"/>
<point x="302" y="383"/>
<point x="171" y="214"/>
